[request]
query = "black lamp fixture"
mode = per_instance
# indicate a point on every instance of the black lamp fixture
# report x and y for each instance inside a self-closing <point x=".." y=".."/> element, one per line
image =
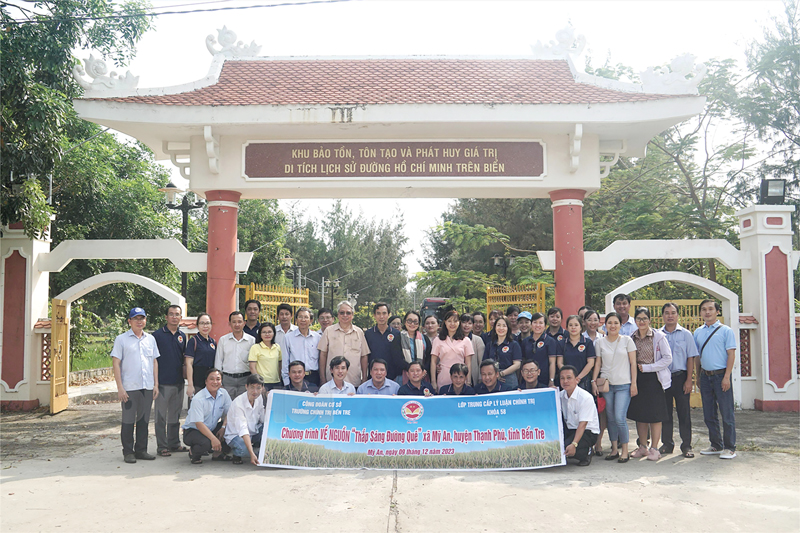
<point x="170" y="192"/>
<point x="773" y="191"/>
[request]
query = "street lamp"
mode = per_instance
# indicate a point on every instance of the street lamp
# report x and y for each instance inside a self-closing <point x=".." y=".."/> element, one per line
<point x="502" y="261"/>
<point x="773" y="191"/>
<point x="170" y="192"/>
<point x="329" y="283"/>
<point x="297" y="271"/>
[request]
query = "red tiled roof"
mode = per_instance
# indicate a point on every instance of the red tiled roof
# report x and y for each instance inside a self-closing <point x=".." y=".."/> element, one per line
<point x="745" y="319"/>
<point x="394" y="81"/>
<point x="42" y="323"/>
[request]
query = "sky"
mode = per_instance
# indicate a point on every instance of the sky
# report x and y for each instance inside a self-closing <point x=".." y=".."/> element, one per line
<point x="639" y="34"/>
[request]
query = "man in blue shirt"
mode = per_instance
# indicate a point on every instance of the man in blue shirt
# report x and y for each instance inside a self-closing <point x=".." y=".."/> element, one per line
<point x="135" y="360"/>
<point x="384" y="343"/>
<point x="717" y="346"/>
<point x="622" y="306"/>
<point x="204" y="427"/>
<point x="171" y="343"/>
<point x="684" y="352"/>
<point x="378" y="383"/>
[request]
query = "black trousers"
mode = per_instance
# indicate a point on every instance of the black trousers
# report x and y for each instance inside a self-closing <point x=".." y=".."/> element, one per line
<point x="587" y="441"/>
<point x="201" y="444"/>
<point x="136" y="414"/>
<point x="313" y="377"/>
<point x="675" y="392"/>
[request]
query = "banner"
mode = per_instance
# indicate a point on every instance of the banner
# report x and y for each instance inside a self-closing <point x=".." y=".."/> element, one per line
<point x="504" y="431"/>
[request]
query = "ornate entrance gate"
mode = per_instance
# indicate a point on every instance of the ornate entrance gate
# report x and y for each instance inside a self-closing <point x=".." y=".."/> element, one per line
<point x="59" y="359"/>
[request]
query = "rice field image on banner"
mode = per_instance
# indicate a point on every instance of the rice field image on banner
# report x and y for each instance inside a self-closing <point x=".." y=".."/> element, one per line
<point x="506" y="431"/>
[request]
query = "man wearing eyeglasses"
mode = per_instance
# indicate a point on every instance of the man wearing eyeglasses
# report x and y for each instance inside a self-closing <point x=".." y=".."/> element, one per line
<point x="171" y="343"/>
<point x="347" y="340"/>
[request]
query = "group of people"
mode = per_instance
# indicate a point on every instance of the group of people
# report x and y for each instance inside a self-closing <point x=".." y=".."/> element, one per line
<point x="623" y="370"/>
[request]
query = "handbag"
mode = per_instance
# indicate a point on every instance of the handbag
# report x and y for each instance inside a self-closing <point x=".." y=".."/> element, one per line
<point x="602" y="385"/>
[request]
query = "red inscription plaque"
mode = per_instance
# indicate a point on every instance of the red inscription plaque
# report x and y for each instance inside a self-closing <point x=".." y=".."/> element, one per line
<point x="265" y="160"/>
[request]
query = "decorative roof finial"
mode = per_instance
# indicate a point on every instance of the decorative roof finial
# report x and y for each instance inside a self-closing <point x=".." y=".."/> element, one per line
<point x="673" y="80"/>
<point x="102" y="80"/>
<point x="228" y="45"/>
<point x="565" y="45"/>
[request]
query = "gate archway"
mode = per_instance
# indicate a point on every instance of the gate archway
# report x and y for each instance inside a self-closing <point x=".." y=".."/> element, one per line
<point x="728" y="299"/>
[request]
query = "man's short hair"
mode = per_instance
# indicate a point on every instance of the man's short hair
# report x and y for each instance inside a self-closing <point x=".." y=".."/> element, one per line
<point x="581" y="308"/>
<point x="323" y="311"/>
<point x="529" y="361"/>
<point x="621" y="296"/>
<point x="297" y="363"/>
<point x="669" y="304"/>
<point x="378" y="360"/>
<point x="233" y="314"/>
<point x="343" y="303"/>
<point x="416" y="362"/>
<point x="306" y="309"/>
<point x="174" y="306"/>
<point x="338" y="360"/>
<point x="248" y="302"/>
<point x="459" y="368"/>
<point x="513" y="309"/>
<point x="492" y="363"/>
<point x="570" y="367"/>
<point x="554" y="310"/>
<point x="255" y="379"/>
<point x="716" y="304"/>
<point x="211" y="371"/>
<point x="379" y="305"/>
<point x="284" y="307"/>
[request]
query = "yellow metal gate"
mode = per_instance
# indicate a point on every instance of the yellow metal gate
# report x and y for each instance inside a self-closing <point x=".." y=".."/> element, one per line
<point x="526" y="297"/>
<point x="271" y="296"/>
<point x="59" y="358"/>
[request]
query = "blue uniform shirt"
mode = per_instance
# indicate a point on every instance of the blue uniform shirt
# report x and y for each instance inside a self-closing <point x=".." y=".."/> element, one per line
<point x="505" y="354"/>
<point x="681" y="343"/>
<point x="577" y="355"/>
<point x="172" y="347"/>
<point x="483" y="389"/>
<point x="558" y="336"/>
<point x="715" y="355"/>
<point x="202" y="350"/>
<point x="540" y="350"/>
<point x="448" y="390"/>
<point x="410" y="390"/>
<point x="386" y="346"/>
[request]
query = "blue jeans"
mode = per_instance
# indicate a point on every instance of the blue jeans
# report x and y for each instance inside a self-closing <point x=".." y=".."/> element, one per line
<point x="239" y="448"/>
<point x="618" y="398"/>
<point x="712" y="395"/>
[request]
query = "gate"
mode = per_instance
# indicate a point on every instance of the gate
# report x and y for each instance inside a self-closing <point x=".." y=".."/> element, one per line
<point x="526" y="297"/>
<point x="271" y="296"/>
<point x="59" y="357"/>
<point x="688" y="312"/>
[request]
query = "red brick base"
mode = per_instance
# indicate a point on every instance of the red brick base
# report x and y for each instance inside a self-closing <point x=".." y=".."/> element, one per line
<point x="17" y="405"/>
<point x="783" y="406"/>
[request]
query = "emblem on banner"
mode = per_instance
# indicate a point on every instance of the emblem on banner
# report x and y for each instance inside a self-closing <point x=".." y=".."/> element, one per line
<point x="412" y="411"/>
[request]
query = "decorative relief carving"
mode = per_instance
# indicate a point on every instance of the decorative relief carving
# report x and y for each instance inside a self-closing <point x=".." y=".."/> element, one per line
<point x="212" y="149"/>
<point x="565" y="45"/>
<point x="744" y="350"/>
<point x="101" y="79"/>
<point x="674" y="80"/>
<point x="228" y="45"/>
<point x="575" y="148"/>
<point x="45" y="369"/>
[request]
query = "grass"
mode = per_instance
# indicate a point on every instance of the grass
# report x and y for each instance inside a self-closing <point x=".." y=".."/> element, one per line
<point x="279" y="452"/>
<point x="98" y="355"/>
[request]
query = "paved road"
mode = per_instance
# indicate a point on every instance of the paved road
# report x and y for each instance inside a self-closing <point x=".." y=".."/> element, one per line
<point x="65" y="473"/>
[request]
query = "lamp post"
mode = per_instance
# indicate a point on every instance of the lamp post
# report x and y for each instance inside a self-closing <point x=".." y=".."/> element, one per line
<point x="503" y="261"/>
<point x="331" y="283"/>
<point x="171" y="191"/>
<point x="297" y="271"/>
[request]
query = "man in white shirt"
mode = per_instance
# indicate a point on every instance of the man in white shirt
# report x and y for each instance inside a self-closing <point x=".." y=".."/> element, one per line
<point x="285" y="326"/>
<point x="301" y="345"/>
<point x="582" y="425"/>
<point x="337" y="385"/>
<point x="231" y="357"/>
<point x="135" y="361"/>
<point x="246" y="421"/>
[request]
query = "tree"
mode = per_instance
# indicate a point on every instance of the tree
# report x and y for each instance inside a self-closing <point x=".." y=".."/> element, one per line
<point x="38" y="122"/>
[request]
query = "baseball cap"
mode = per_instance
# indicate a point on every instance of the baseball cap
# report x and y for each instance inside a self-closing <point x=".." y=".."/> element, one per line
<point x="137" y="311"/>
<point x="525" y="314"/>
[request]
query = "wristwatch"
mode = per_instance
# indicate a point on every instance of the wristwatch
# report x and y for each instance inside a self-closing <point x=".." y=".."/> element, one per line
<point x="575" y="444"/>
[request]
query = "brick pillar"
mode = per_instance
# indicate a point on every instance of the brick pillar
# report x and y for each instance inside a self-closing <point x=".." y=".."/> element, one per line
<point x="568" y="246"/>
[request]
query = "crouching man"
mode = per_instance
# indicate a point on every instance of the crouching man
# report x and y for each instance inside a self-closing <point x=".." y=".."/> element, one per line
<point x="246" y="421"/>
<point x="205" y="421"/>
<point x="580" y="417"/>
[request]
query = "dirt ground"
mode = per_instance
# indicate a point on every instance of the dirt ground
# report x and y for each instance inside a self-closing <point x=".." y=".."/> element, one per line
<point x="65" y="473"/>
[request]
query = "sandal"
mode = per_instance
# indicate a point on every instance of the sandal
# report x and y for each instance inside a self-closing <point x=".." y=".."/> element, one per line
<point x="221" y="457"/>
<point x="688" y="454"/>
<point x="164" y="453"/>
<point x="237" y="460"/>
<point x="611" y="457"/>
<point x="197" y="460"/>
<point x="179" y="449"/>
<point x="623" y="459"/>
<point x="598" y="453"/>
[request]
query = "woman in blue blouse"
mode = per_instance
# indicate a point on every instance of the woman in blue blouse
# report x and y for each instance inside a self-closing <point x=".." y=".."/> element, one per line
<point x="200" y="352"/>
<point x="506" y="351"/>
<point x="578" y="351"/>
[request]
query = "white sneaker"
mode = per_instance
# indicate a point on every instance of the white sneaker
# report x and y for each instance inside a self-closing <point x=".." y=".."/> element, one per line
<point x="710" y="451"/>
<point x="727" y="454"/>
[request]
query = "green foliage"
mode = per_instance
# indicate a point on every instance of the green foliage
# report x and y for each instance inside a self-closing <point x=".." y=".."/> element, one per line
<point x="38" y="121"/>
